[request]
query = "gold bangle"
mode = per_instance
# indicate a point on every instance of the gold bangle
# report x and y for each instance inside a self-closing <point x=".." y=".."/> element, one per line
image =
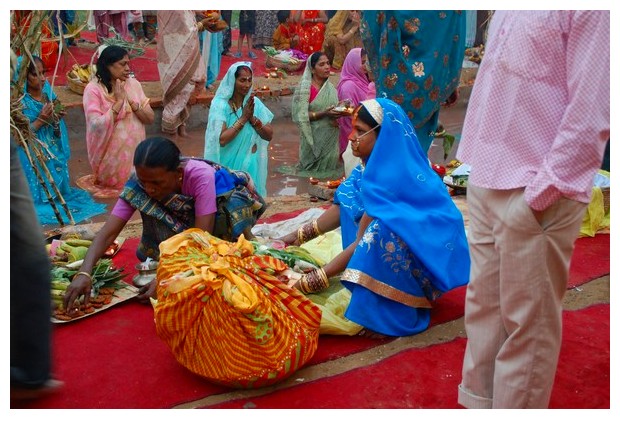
<point x="315" y="281"/>
<point x="300" y="235"/>
<point x="324" y="278"/>
<point x="313" y="115"/>
<point x="303" y="285"/>
<point x="114" y="110"/>
<point x="315" y="226"/>
<point x="83" y="273"/>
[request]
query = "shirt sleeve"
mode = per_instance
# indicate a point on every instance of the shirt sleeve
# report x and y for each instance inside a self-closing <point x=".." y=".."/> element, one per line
<point x="199" y="183"/>
<point x="583" y="132"/>
<point x="122" y="209"/>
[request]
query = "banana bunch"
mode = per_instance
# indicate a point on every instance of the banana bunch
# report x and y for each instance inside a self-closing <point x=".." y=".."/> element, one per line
<point x="83" y="73"/>
<point x="70" y="250"/>
<point x="57" y="291"/>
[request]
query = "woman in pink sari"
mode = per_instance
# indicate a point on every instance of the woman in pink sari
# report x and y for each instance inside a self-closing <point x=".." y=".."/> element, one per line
<point x="353" y="86"/>
<point x="116" y="112"/>
<point x="106" y="19"/>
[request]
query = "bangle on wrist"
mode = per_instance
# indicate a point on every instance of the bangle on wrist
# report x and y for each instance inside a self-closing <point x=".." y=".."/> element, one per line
<point x="85" y="274"/>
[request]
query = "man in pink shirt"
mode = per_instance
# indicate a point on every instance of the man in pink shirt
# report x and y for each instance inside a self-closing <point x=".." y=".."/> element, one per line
<point x="534" y="136"/>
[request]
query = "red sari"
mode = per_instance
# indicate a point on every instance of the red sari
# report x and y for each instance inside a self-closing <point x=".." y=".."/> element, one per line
<point x="311" y="34"/>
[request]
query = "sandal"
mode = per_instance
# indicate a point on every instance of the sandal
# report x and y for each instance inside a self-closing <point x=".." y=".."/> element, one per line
<point x="252" y="55"/>
<point x="113" y="248"/>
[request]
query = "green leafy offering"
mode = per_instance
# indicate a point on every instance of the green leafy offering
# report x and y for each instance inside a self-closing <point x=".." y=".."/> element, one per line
<point x="104" y="275"/>
<point x="295" y="257"/>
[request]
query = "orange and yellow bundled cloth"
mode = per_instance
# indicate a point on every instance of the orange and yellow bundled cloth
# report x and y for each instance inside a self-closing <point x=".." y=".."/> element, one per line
<point x="226" y="316"/>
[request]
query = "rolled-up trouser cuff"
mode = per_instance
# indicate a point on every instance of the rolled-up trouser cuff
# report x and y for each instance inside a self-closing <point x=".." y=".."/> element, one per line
<point x="469" y="400"/>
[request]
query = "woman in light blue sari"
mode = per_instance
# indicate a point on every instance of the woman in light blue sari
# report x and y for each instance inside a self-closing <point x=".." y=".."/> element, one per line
<point x="403" y="237"/>
<point x="239" y="128"/>
<point x="52" y="140"/>
<point x="211" y="48"/>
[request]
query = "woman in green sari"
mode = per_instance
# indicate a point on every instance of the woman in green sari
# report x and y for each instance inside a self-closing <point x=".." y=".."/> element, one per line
<point x="313" y="112"/>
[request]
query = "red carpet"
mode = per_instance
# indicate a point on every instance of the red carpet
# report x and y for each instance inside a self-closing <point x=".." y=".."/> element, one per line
<point x="145" y="66"/>
<point x="590" y="259"/>
<point x="115" y="360"/>
<point x="428" y="377"/>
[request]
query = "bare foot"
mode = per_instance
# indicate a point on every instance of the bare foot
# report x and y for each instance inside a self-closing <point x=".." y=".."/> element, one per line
<point x="182" y="131"/>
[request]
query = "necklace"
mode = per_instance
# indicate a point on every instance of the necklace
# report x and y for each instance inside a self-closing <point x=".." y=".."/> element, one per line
<point x="235" y="107"/>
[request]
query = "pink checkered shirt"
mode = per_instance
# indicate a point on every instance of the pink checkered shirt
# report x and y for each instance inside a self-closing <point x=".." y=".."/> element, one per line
<point x="538" y="116"/>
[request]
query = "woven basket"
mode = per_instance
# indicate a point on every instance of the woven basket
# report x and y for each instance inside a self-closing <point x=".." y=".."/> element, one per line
<point x="272" y="62"/>
<point x="606" y="198"/>
<point x="75" y="84"/>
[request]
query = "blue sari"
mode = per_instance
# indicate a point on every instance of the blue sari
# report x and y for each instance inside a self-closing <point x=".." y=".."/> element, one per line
<point x="211" y="48"/>
<point x="54" y="142"/>
<point x="416" y="57"/>
<point x="415" y="248"/>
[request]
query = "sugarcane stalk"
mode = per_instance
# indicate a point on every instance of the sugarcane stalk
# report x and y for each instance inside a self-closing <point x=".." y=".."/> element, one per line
<point x="23" y="141"/>
<point x="21" y="124"/>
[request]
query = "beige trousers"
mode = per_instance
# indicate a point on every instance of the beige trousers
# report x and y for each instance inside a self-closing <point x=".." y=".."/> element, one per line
<point x="513" y="305"/>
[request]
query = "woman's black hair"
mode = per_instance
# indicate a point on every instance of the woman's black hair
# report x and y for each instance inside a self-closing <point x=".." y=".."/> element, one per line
<point x="109" y="56"/>
<point x="364" y="116"/>
<point x="314" y="58"/>
<point x="32" y="67"/>
<point x="237" y="72"/>
<point x="157" y="152"/>
<point x="363" y="52"/>
<point x="283" y="15"/>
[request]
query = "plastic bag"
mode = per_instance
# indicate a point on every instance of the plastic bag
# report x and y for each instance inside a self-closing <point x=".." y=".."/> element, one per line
<point x="333" y="302"/>
<point x="595" y="219"/>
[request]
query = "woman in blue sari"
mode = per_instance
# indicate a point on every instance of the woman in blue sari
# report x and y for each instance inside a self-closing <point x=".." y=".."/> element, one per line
<point x="403" y="237"/>
<point x="416" y="57"/>
<point x="239" y="128"/>
<point x="41" y="107"/>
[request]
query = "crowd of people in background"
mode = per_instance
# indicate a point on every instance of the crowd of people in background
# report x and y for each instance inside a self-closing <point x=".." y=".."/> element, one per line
<point x="398" y="68"/>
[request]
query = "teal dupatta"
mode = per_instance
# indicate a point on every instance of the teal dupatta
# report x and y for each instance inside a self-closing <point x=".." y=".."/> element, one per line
<point x="247" y="151"/>
<point x="416" y="57"/>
